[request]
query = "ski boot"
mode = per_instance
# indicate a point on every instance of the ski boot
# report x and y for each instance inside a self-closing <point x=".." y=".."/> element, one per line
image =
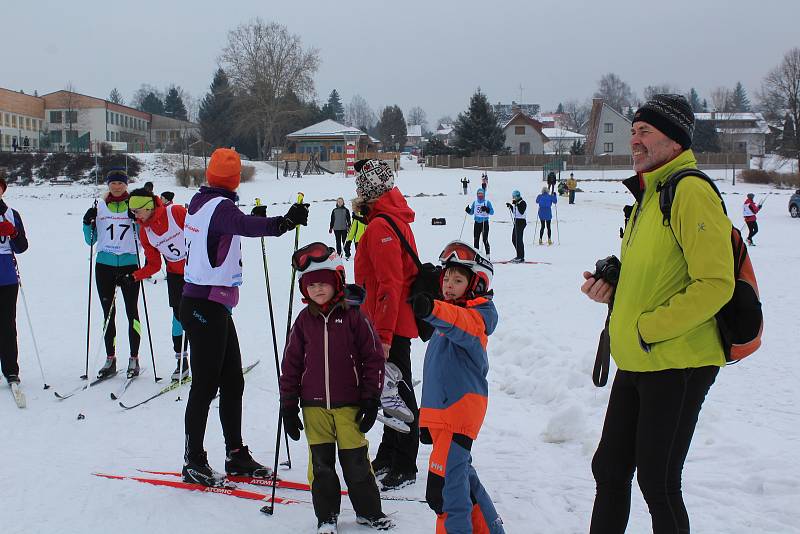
<point x="109" y="368"/>
<point x="327" y="526"/>
<point x="182" y="367"/>
<point x="239" y="462"/>
<point x="133" y="367"/>
<point x="394" y="423"/>
<point x="12" y="379"/>
<point x="379" y="469"/>
<point x="380" y="522"/>
<point x="396" y="480"/>
<point x="516" y="260"/>
<point x="391" y="402"/>
<point x="549" y="241"/>
<point x="541" y="242"/>
<point x="197" y="471"/>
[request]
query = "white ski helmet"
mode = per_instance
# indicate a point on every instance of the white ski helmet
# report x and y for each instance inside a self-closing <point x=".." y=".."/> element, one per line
<point x="461" y="253"/>
<point x="317" y="256"/>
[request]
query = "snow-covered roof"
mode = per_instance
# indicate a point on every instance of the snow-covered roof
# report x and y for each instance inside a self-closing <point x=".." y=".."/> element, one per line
<point x="446" y="129"/>
<point x="560" y="133"/>
<point x="414" y="130"/>
<point x="722" y="122"/>
<point x="725" y="116"/>
<point x="326" y="128"/>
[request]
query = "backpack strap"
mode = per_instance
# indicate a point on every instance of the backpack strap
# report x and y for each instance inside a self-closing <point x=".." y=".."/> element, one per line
<point x="402" y="239"/>
<point x="666" y="191"/>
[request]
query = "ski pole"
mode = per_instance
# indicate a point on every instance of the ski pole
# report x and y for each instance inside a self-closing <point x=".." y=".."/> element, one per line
<point x="146" y="315"/>
<point x="535" y="228"/>
<point x="558" y="234"/>
<point x="30" y="324"/>
<point x="462" y="226"/>
<point x="180" y="366"/>
<point x="89" y="305"/>
<point x="513" y="231"/>
<point x="272" y="321"/>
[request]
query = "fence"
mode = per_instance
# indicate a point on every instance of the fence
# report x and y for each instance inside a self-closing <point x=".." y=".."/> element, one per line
<point x="336" y="156"/>
<point x="536" y="162"/>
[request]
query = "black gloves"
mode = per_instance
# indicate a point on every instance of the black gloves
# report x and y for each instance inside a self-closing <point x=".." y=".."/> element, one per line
<point x="425" y="436"/>
<point x="259" y="211"/>
<point x="509" y="205"/>
<point x="422" y="304"/>
<point x="297" y="215"/>
<point x="468" y="210"/>
<point x="125" y="280"/>
<point x="367" y="413"/>
<point x="292" y="422"/>
<point x="90" y="216"/>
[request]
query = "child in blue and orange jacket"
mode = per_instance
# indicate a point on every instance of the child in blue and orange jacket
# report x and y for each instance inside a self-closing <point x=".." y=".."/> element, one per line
<point x="455" y="391"/>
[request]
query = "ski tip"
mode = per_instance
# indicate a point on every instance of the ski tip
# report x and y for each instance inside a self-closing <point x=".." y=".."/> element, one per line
<point x="113" y="397"/>
<point x="46" y="386"/>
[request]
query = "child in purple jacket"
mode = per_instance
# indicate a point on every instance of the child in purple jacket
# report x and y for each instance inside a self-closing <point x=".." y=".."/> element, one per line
<point x="333" y="368"/>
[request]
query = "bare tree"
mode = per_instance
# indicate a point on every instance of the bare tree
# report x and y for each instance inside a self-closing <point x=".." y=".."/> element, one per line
<point x="782" y="84"/>
<point x="615" y="92"/>
<point x="358" y="113"/>
<point x="660" y="89"/>
<point x="721" y="99"/>
<point x="417" y="115"/>
<point x="141" y="93"/>
<point x="577" y="114"/>
<point x="267" y="64"/>
<point x="71" y="115"/>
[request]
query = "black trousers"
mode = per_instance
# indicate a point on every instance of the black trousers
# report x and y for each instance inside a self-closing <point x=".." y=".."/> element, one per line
<point x="572" y="196"/>
<point x="648" y="428"/>
<point x="481" y="228"/>
<point x="175" y="285"/>
<point x="517" y="237"/>
<point x="358" y="476"/>
<point x="216" y="364"/>
<point x="541" y="228"/>
<point x="398" y="451"/>
<point x="752" y="226"/>
<point x="341" y="237"/>
<point x="105" y="277"/>
<point x="8" y="329"/>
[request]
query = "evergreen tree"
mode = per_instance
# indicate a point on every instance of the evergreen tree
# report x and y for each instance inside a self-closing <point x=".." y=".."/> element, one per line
<point x="560" y="108"/>
<point x="739" y="100"/>
<point x="173" y="104"/>
<point x="436" y="147"/>
<point x="333" y="109"/>
<point x="705" y="138"/>
<point x="152" y="104"/>
<point x="789" y="145"/>
<point x="477" y="130"/>
<point x="215" y="111"/>
<point x="392" y="128"/>
<point x="115" y="97"/>
<point x="705" y="106"/>
<point x="694" y="100"/>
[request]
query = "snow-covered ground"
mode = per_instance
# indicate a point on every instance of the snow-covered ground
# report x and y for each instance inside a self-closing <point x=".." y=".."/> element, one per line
<point x="545" y="416"/>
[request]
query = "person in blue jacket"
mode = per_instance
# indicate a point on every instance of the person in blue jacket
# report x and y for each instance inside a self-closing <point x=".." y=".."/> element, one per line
<point x="545" y="201"/>
<point x="12" y="241"/>
<point x="481" y="209"/>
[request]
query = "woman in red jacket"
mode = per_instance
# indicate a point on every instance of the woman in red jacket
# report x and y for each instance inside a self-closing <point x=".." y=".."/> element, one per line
<point x="161" y="234"/>
<point x="749" y="211"/>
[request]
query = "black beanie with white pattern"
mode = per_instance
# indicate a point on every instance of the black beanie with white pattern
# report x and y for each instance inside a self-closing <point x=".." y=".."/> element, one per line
<point x="374" y="177"/>
<point x="671" y="115"/>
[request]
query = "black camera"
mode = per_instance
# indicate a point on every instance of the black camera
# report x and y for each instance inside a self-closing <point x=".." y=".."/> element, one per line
<point x="607" y="269"/>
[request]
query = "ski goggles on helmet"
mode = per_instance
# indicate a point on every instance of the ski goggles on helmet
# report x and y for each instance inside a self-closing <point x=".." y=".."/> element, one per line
<point x="460" y="252"/>
<point x="139" y="202"/>
<point x="316" y="252"/>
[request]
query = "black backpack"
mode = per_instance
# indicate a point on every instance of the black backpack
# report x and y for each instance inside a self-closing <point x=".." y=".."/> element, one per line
<point x="426" y="281"/>
<point x="740" y="321"/>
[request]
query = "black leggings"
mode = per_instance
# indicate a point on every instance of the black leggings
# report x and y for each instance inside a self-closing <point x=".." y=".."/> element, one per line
<point x="175" y="285"/>
<point x="481" y="228"/>
<point x="341" y="237"/>
<point x="648" y="429"/>
<point x="517" y="237"/>
<point x="216" y="364"/>
<point x="398" y="451"/>
<point x="541" y="229"/>
<point x="105" y="277"/>
<point x="752" y="226"/>
<point x="8" y="329"/>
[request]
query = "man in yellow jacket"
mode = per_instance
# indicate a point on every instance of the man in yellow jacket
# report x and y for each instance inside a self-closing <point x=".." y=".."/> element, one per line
<point x="664" y="337"/>
<point x="572" y="185"/>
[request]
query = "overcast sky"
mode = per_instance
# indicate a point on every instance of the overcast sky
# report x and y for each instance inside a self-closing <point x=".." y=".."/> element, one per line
<point x="431" y="53"/>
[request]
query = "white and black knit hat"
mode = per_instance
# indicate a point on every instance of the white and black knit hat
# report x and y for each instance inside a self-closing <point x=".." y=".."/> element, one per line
<point x="374" y="177"/>
<point x="671" y="114"/>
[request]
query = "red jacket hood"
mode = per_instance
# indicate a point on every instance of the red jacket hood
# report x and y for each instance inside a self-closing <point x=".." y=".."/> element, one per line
<point x="394" y="204"/>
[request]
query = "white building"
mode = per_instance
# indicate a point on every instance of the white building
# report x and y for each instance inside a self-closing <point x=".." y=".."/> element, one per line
<point x="560" y="140"/>
<point x="739" y="132"/>
<point x="524" y="135"/>
<point x="608" y="131"/>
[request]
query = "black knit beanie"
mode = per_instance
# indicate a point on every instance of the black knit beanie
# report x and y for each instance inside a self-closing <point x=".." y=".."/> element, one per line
<point x="671" y="114"/>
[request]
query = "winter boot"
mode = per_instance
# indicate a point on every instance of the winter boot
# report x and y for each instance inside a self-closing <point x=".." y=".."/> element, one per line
<point x="197" y="471"/>
<point x="541" y="242"/>
<point x="379" y="469"/>
<point x="12" y="379"/>
<point x="239" y="462"/>
<point x="391" y="402"/>
<point x="396" y="480"/>
<point x="327" y="526"/>
<point x="516" y="260"/>
<point x="381" y="522"/>
<point x="109" y="368"/>
<point x="394" y="423"/>
<point x="133" y="367"/>
<point x="182" y="367"/>
<point x="549" y="241"/>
